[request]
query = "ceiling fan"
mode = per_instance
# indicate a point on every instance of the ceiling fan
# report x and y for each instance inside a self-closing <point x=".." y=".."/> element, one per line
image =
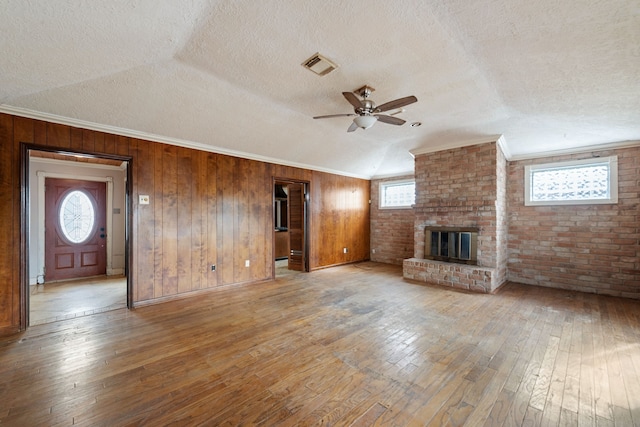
<point x="366" y="112"/>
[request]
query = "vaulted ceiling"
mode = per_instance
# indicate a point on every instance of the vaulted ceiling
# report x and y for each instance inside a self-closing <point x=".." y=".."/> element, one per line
<point x="226" y="75"/>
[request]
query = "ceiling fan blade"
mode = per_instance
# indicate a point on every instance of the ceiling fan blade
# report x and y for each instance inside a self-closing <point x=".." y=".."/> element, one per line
<point x="353" y="127"/>
<point x="334" y="115"/>
<point x="397" y="103"/>
<point x="390" y="120"/>
<point x="353" y="100"/>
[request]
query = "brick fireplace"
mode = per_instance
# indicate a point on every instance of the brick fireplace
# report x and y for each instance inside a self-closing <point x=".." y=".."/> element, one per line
<point x="461" y="189"/>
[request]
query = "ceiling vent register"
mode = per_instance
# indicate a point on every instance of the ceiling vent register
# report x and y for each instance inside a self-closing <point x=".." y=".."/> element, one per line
<point x="319" y="65"/>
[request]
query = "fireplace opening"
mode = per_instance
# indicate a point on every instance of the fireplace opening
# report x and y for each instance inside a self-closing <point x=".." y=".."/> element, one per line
<point x="452" y="245"/>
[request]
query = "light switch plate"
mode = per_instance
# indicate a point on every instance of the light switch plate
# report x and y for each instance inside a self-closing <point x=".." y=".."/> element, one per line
<point x="144" y="199"/>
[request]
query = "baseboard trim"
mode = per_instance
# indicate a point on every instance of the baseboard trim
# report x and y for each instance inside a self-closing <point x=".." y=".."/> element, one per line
<point x="9" y="330"/>
<point x="190" y="294"/>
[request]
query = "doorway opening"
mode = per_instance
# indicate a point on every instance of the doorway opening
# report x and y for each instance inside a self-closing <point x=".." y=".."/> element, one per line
<point x="290" y="207"/>
<point x="77" y="226"/>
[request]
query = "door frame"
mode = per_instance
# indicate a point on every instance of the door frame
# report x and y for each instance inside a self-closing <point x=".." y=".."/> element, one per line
<point x="305" y="220"/>
<point x="25" y="217"/>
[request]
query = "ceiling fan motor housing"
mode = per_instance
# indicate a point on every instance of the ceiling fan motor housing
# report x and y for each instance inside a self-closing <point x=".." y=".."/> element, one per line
<point x="367" y="107"/>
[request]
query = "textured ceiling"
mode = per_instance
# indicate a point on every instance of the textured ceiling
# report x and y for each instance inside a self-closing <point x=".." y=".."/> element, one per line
<point x="226" y="75"/>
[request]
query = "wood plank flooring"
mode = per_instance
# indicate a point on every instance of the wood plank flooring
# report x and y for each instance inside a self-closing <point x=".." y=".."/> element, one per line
<point x="354" y="345"/>
<point x="52" y="302"/>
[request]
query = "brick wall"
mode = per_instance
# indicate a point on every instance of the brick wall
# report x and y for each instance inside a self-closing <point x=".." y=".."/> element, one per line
<point x="391" y="229"/>
<point x="502" y="218"/>
<point x="591" y="248"/>
<point x="460" y="188"/>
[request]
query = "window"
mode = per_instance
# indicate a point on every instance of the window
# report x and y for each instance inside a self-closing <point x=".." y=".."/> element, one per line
<point x="590" y="181"/>
<point x="77" y="216"/>
<point x="397" y="194"/>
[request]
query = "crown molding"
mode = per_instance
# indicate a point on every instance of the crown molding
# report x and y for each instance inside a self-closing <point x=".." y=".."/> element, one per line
<point x="458" y="144"/>
<point x="577" y="150"/>
<point x="401" y="175"/>
<point x="502" y="143"/>
<point x="53" y="118"/>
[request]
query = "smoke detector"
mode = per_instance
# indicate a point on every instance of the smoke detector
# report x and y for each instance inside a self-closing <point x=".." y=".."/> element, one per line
<point x="319" y="65"/>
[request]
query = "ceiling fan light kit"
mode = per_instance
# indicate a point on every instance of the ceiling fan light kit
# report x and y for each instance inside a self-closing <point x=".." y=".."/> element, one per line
<point x="365" y="122"/>
<point x="367" y="112"/>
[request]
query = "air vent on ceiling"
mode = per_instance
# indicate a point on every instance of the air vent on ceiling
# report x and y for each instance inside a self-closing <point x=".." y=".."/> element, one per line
<point x="319" y="65"/>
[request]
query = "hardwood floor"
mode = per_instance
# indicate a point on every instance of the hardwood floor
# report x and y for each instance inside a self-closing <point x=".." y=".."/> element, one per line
<point x="52" y="302"/>
<point x="348" y="346"/>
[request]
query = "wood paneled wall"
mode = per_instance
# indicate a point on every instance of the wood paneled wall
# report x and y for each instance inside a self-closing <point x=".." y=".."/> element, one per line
<point x="339" y="219"/>
<point x="10" y="238"/>
<point x="205" y="208"/>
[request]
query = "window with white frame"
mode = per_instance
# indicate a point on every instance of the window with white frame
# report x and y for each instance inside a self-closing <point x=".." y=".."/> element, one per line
<point x="397" y="194"/>
<point x="589" y="181"/>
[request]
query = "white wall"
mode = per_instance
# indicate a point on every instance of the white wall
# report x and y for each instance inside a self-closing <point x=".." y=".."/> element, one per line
<point x="75" y="170"/>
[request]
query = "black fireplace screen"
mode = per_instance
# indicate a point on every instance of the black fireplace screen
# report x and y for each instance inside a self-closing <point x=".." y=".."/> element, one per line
<point x="451" y="245"/>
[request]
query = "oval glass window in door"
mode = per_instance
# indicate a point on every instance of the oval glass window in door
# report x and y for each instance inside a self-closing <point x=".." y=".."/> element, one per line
<point x="77" y="216"/>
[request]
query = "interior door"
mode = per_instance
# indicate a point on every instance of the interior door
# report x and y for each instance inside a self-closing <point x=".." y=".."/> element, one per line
<point x="297" y="214"/>
<point x="75" y="233"/>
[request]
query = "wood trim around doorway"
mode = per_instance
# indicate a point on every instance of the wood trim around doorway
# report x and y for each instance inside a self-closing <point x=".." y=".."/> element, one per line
<point x="307" y="188"/>
<point x="86" y="157"/>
